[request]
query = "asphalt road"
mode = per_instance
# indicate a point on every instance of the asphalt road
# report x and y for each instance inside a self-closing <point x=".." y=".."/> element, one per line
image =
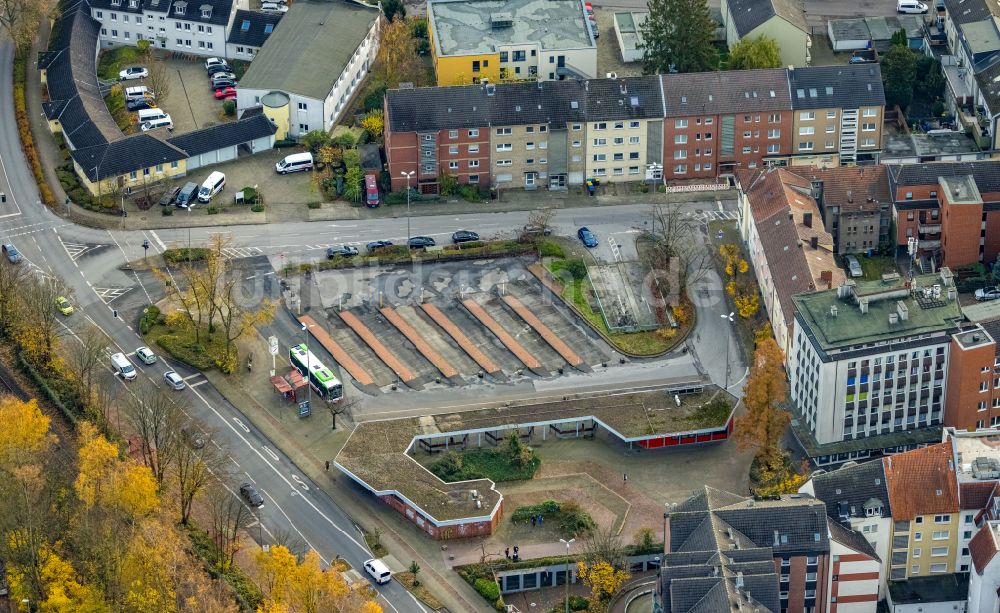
<point x="90" y="261"/>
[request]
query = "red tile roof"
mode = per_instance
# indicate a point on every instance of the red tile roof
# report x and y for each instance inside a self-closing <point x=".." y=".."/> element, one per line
<point x="975" y="495"/>
<point x="922" y="482"/>
<point x="853" y="188"/>
<point x="983" y="547"/>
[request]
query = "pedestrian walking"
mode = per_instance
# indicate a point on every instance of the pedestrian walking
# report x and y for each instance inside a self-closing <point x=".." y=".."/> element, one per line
<point x="328" y="464"/>
<point x="534" y="519"/>
<point x="506" y="552"/>
<point x="541" y="518"/>
<point x="625" y="477"/>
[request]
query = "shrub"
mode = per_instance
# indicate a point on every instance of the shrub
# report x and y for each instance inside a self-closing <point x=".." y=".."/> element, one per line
<point x="374" y="98"/>
<point x="344" y="140"/>
<point x="167" y="211"/>
<point x="547" y="508"/>
<point x="183" y="254"/>
<point x="149" y="318"/>
<point x="574" y="520"/>
<point x="315" y="139"/>
<point x="212" y="210"/>
<point x="470" y="193"/>
<point x="487" y="589"/>
<point x="285" y="143"/>
<point x="229" y="108"/>
<point x="314" y="205"/>
<point x="187" y="351"/>
<point x="575" y="268"/>
<point x="578" y="603"/>
<point x="551" y="249"/>
<point x="257" y="208"/>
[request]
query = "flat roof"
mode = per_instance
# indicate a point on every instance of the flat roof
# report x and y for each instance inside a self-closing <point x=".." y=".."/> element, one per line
<point x="465" y="27"/>
<point x="310" y="47"/>
<point x="923" y="145"/>
<point x="960" y="189"/>
<point x="629" y="26"/>
<point x="982" y="311"/>
<point x="376" y="452"/>
<point x="851" y="327"/>
<point x="982" y="36"/>
<point x="981" y="445"/>
<point x="942" y="588"/>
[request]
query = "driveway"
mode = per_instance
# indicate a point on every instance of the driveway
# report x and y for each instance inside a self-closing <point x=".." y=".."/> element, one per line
<point x="189" y="99"/>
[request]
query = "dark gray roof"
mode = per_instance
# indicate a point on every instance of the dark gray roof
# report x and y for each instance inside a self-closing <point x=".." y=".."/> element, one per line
<point x="989" y="85"/>
<point x="850" y="538"/>
<point x="249" y="27"/>
<point x="847" y="490"/>
<point x="993" y="328"/>
<point x="220" y="9"/>
<point x="224" y="135"/>
<point x="550" y="102"/>
<point x="986" y="173"/>
<point x="749" y="14"/>
<point x="967" y="11"/>
<point x="719" y="93"/>
<point x="849" y="86"/>
<point x="125" y="155"/>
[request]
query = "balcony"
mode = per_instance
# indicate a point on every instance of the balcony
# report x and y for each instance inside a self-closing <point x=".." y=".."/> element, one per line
<point x="929" y="244"/>
<point x="929" y="228"/>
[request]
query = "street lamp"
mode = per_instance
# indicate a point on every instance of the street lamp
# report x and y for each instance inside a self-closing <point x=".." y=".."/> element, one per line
<point x="568" y="543"/>
<point x="408" y="175"/>
<point x="729" y="341"/>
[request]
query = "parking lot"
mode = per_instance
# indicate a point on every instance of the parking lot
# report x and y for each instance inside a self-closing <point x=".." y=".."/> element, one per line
<point x="452" y="323"/>
<point x="189" y="99"/>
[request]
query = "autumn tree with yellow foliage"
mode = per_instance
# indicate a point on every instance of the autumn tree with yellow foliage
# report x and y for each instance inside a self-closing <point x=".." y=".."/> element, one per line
<point x="292" y="587"/>
<point x="739" y="285"/>
<point x="764" y="424"/>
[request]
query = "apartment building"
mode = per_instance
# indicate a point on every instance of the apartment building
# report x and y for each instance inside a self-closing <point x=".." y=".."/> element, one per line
<point x="923" y="492"/>
<point x="857" y="498"/>
<point x="790" y="250"/>
<point x="524" y="135"/>
<point x="837" y="117"/>
<point x="984" y="580"/>
<point x="728" y="552"/>
<point x="856" y="206"/>
<point x="250" y="31"/>
<point x="935" y="199"/>
<point x="973" y="399"/>
<point x="172" y="25"/>
<point x="716" y="123"/>
<point x="871" y="358"/>
<point x="473" y="41"/>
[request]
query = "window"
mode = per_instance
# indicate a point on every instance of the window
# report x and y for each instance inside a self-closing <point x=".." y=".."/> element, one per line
<point x="519" y="56"/>
<point x="530" y="129"/>
<point x="303" y="127"/>
<point x="474" y="133"/>
<point x="830" y="129"/>
<point x="937" y="552"/>
<point x="543" y="144"/>
<point x="806" y="130"/>
<point x="868" y="142"/>
<point x="473" y="178"/>
<point x="174" y="165"/>
<point x="600" y="142"/>
<point x="473" y="163"/>
<point x="601" y="126"/>
<point x="918" y="536"/>
<point x="633" y="155"/>
<point x="529" y="146"/>
<point x="774" y="133"/>
<point x="453" y="149"/>
<point x="806" y="146"/>
<point x="505" y="147"/>
<point x="917" y="552"/>
<point x="940" y="535"/>
<point x="576" y="143"/>
<point x="942" y="519"/>
<point x="503" y="56"/>
<point x="503" y="162"/>
<point x="680" y="123"/>
<point x="303" y="106"/>
<point x="746" y="149"/>
<point x="868" y="127"/>
<point x="680" y="139"/>
<point x="618" y="157"/>
<point x="114" y="33"/>
<point x="633" y="140"/>
<point x="600" y="172"/>
<point x="100" y="14"/>
<point x="269" y="28"/>
<point x="503" y="131"/>
<point x="807" y="115"/>
<point x="577" y="127"/>
<point x="453" y="134"/>
<point x="680" y="154"/>
<point x="775" y="148"/>
<point x="831" y="114"/>
<point x="773" y="118"/>
<point x="619" y="125"/>
<point x="618" y="172"/>
<point x="633" y="170"/>
<point x="452" y="165"/>
<point x="939" y="568"/>
<point x="600" y="157"/>
<point x="633" y="124"/>
<point x="473" y="148"/>
<point x="869" y="113"/>
<point x="680" y="169"/>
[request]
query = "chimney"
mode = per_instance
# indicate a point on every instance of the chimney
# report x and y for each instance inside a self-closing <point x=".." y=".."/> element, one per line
<point x="902" y="310"/>
<point x="623" y="87"/>
<point x="951" y="294"/>
<point x="850" y="195"/>
<point x="739" y="580"/>
<point x="863" y="305"/>
<point x="777" y="538"/>
<point x="813" y="241"/>
<point x="807" y="219"/>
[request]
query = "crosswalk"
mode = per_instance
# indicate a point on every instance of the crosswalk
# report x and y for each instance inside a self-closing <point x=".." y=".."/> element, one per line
<point x="717" y="215"/>
<point x="109" y="294"/>
<point x="75" y="250"/>
<point x="235" y="253"/>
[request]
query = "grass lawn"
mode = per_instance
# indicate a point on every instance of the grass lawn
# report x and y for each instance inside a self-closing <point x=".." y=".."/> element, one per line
<point x="378" y="549"/>
<point x="180" y="344"/>
<point x="494" y="464"/>
<point x="409" y="581"/>
<point x="876" y="266"/>
<point x="113" y="60"/>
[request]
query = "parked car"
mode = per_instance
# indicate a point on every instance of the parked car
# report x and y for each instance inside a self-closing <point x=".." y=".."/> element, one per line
<point x="225" y="92"/>
<point x="421" y="242"/>
<point x="122" y="366"/>
<point x="251" y="495"/>
<point x="174" y="380"/>
<point x="464" y="236"/>
<point x="214" y="184"/>
<point x="145" y="355"/>
<point x="133" y="72"/>
<point x="187" y="196"/>
<point x="64" y="306"/>
<point x="214" y="61"/>
<point x="858" y="59"/>
<point x="170" y="196"/>
<point x="214" y="70"/>
<point x="296" y="162"/>
<point x="853" y="266"/>
<point x="12" y="253"/>
<point x="587" y="237"/>
<point x="911" y="7"/>
<point x="372" y="199"/>
<point x="341" y="251"/>
<point x="223" y="83"/>
<point x="153" y="124"/>
<point x="375" y="245"/>
<point x="273" y="7"/>
<point x="987" y="293"/>
<point x="139" y="91"/>
<point x="139" y="104"/>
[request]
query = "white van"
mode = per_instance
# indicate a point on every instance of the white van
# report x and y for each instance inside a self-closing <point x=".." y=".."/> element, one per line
<point x="212" y="186"/>
<point x="378" y="570"/>
<point x="295" y="163"/>
<point x="123" y="367"/>
<point x="161" y="122"/>
<point x="139" y="91"/>
<point x="911" y="7"/>
<point x="152" y="114"/>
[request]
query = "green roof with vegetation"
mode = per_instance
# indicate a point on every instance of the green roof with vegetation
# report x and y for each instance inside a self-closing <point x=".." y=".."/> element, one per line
<point x="376" y="453"/>
<point x="848" y="326"/>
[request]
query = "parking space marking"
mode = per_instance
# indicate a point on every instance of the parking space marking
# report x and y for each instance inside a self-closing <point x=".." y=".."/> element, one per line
<point x="233" y="253"/>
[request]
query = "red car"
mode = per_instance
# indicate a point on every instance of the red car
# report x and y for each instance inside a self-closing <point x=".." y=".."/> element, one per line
<point x="225" y="93"/>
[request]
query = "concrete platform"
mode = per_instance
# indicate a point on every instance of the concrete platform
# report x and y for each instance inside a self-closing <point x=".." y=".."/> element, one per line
<point x="463" y="342"/>
<point x="551" y="361"/>
<point x="481" y="337"/>
<point x="439" y="339"/>
<point x="566" y="324"/>
<point x="421" y="343"/>
<point x="508" y="331"/>
<point x="342" y="357"/>
<point x="356" y="348"/>
<point x="389" y="357"/>
<point x="564" y="350"/>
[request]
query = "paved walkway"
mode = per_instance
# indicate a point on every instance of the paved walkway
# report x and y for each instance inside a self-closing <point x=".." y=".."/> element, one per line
<point x="550" y="337"/>
<point x="463" y="341"/>
<point x="509" y="341"/>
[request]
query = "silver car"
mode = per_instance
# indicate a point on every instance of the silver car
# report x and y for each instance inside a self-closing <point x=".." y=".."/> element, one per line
<point x="854" y="266"/>
<point x="145" y="355"/>
<point x="174" y="380"/>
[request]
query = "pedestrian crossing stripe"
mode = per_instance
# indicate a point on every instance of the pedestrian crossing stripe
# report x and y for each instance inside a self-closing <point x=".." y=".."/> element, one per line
<point x="233" y="253"/>
<point x="109" y="294"/>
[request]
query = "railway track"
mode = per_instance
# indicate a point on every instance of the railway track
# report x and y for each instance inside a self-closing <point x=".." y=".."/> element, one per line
<point x="9" y="386"/>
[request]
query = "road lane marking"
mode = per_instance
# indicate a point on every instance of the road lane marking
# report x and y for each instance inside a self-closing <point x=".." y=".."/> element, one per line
<point x="202" y="382"/>
<point x="249" y="477"/>
<point x="240" y="424"/>
<point x="300" y="482"/>
<point x="156" y="237"/>
<point x="268" y="451"/>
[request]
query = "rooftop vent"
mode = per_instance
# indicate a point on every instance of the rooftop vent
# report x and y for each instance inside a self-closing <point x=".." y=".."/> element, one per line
<point x="501" y="20"/>
<point x="893" y="319"/>
<point x="902" y="310"/>
<point x="986" y="468"/>
<point x="833" y="310"/>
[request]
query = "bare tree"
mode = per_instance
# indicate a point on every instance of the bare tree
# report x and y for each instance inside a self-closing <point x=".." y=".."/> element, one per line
<point x="289" y="538"/>
<point x="156" y="418"/>
<point x="158" y="79"/>
<point x="538" y="226"/>
<point x="85" y="359"/>
<point x="37" y="324"/>
<point x="104" y="401"/>
<point x="605" y="545"/>
<point x="340" y="408"/>
<point x="194" y="470"/>
<point x="21" y="19"/>
<point x="11" y="279"/>
<point x="229" y="516"/>
<point x="676" y="245"/>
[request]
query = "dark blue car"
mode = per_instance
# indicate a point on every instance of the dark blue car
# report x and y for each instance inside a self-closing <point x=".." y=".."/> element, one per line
<point x="587" y="237"/>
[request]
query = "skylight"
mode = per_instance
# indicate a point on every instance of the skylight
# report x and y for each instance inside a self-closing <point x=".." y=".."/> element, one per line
<point x="245" y="25"/>
<point x="268" y="28"/>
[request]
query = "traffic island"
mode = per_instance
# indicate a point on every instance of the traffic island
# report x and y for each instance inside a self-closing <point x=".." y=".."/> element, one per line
<point x="379" y="455"/>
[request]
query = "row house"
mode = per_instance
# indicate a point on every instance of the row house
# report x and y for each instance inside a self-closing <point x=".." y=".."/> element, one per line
<point x="524" y="135"/>
<point x="933" y="201"/>
<point x="778" y="555"/>
<point x="856" y="205"/>
<point x="184" y="26"/>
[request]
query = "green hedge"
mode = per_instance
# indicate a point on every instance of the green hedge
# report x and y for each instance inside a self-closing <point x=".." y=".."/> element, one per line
<point x="186" y="351"/>
<point x="487" y="589"/>
<point x="494" y="464"/>
<point x="547" y="508"/>
<point x="149" y="319"/>
<point x="183" y="254"/>
<point x="575" y="268"/>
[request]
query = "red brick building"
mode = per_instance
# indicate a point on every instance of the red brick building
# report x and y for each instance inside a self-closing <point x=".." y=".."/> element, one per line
<point x="973" y="397"/>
